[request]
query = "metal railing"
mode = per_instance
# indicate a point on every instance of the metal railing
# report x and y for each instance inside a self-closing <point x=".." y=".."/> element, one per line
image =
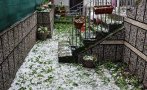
<point x="92" y="30"/>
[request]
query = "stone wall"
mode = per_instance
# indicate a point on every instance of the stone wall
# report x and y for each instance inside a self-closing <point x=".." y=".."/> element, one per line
<point x="15" y="43"/>
<point x="137" y="38"/>
<point x="135" y="51"/>
<point x="138" y="13"/>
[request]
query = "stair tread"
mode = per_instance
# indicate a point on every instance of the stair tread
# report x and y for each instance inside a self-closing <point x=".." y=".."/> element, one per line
<point x="99" y="28"/>
<point x="64" y="49"/>
<point x="67" y="59"/>
<point x="98" y="42"/>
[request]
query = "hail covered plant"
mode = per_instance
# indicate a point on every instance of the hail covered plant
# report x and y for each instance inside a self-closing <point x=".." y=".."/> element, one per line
<point x="89" y="57"/>
<point x="43" y="29"/>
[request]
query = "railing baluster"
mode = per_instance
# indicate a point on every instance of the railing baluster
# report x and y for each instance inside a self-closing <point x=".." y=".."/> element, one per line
<point x="72" y="31"/>
<point x="85" y="21"/>
<point x="89" y="23"/>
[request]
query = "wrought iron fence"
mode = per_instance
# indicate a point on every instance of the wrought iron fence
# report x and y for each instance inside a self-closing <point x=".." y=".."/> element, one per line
<point x="97" y="26"/>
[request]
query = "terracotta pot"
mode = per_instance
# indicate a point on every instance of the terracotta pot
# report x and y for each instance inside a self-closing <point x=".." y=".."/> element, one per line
<point x="62" y="13"/>
<point x="42" y="36"/>
<point x="78" y="22"/>
<point x="104" y="9"/>
<point x="62" y="8"/>
<point x="78" y="25"/>
<point x="88" y="63"/>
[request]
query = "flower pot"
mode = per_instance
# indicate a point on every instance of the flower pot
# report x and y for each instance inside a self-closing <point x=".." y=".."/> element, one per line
<point x="103" y="9"/>
<point x="78" y="25"/>
<point x="62" y="8"/>
<point x="78" y="22"/>
<point x="57" y="16"/>
<point x="62" y="13"/>
<point x="88" y="63"/>
<point x="42" y="36"/>
<point x="50" y="6"/>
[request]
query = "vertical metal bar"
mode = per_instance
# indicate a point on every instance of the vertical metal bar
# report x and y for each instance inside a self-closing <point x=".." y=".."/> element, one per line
<point x="98" y="2"/>
<point x="118" y="6"/>
<point x="80" y="37"/>
<point x="72" y="30"/>
<point x="85" y="20"/>
<point x="111" y="15"/>
<point x="89" y="22"/>
<point x="105" y="14"/>
<point x="115" y="12"/>
<point x="76" y="36"/>
<point x="94" y="17"/>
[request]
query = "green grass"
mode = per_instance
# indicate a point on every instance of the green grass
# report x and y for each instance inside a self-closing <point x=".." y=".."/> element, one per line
<point x="67" y="19"/>
<point x="117" y="72"/>
<point x="63" y="28"/>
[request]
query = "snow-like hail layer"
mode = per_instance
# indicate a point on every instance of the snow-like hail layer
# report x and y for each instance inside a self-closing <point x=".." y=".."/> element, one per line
<point x="41" y="71"/>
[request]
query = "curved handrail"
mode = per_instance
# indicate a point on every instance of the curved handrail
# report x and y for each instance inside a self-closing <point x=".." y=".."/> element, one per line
<point x="80" y="4"/>
<point x="76" y="5"/>
<point x="101" y="40"/>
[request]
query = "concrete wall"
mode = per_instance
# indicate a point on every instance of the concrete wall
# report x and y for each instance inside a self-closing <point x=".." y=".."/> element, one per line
<point x="15" y="43"/>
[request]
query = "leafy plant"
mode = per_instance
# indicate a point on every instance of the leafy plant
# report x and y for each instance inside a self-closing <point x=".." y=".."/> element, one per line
<point x="89" y="57"/>
<point x="99" y="70"/>
<point x="106" y="80"/>
<point x="109" y="65"/>
<point x="116" y="70"/>
<point x="42" y="29"/>
<point x="49" y="79"/>
<point x="75" y="84"/>
<point x="46" y="1"/>
<point x="46" y="4"/>
<point x="22" y="88"/>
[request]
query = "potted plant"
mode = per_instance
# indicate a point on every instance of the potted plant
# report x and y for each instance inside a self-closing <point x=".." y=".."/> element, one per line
<point x="45" y="6"/>
<point x="79" y="21"/>
<point x="60" y="9"/>
<point x="42" y="33"/>
<point x="103" y="9"/>
<point x="50" y="4"/>
<point x="89" y="61"/>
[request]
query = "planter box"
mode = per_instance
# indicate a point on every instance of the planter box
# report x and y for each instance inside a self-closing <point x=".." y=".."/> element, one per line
<point x="104" y="9"/>
<point x="46" y="19"/>
<point x="78" y="22"/>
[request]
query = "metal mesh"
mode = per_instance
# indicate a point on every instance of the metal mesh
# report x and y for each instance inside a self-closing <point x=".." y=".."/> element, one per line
<point x="13" y="10"/>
